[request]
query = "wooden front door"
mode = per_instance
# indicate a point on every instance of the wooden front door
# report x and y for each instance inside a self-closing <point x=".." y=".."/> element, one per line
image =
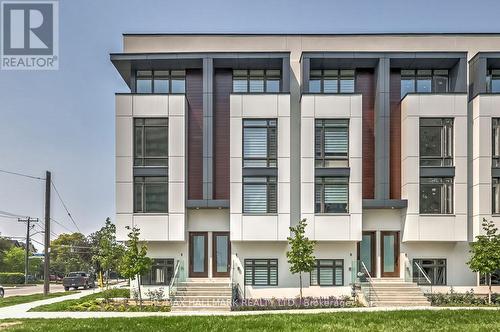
<point x="389" y="252"/>
<point x="198" y="254"/>
<point x="221" y="253"/>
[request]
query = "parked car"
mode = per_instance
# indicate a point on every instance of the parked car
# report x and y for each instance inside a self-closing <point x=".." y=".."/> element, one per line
<point x="78" y="279"/>
<point x="2" y="291"/>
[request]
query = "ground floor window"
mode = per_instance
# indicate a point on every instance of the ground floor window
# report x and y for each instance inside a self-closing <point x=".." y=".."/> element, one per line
<point x="328" y="272"/>
<point x="495" y="279"/>
<point x="261" y="272"/>
<point x="435" y="269"/>
<point x="160" y="273"/>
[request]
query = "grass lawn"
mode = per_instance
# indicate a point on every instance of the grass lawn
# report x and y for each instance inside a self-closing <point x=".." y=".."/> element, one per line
<point x="445" y="320"/>
<point x="13" y="300"/>
<point x="65" y="305"/>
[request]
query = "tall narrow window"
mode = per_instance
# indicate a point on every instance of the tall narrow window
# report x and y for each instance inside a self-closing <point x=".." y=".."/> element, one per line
<point x="331" y="195"/>
<point x="256" y="81"/>
<point x="436" y="195"/>
<point x="150" y="142"/>
<point x="424" y="81"/>
<point x="150" y="194"/>
<point x="332" y="143"/>
<point x="328" y="272"/>
<point x="160" y="81"/>
<point x="261" y="272"/>
<point x="495" y="139"/>
<point x="436" y="142"/>
<point x="259" y="143"/>
<point x="259" y="194"/>
<point x="332" y="81"/>
<point x="495" y="195"/>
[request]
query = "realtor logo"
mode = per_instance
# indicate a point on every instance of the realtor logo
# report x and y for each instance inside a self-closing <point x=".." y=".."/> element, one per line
<point x="29" y="32"/>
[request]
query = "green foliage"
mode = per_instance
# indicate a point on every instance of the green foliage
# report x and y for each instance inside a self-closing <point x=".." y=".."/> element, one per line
<point x="69" y="253"/>
<point x="301" y="254"/>
<point x="11" y="278"/>
<point x="454" y="299"/>
<point x="13" y="260"/>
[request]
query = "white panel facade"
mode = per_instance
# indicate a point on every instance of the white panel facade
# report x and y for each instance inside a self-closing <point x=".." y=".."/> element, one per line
<point x="268" y="227"/>
<point x="433" y="227"/>
<point x="332" y="227"/>
<point x="154" y="227"/>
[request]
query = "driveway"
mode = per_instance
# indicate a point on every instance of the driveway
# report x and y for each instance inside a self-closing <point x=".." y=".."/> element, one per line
<point x="29" y="290"/>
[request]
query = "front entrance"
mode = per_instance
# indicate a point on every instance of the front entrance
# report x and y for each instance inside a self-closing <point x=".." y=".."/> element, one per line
<point x="389" y="252"/>
<point x="198" y="254"/>
<point x="221" y="254"/>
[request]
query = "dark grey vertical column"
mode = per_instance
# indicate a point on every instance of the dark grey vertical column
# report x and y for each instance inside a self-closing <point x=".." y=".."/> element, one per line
<point x="458" y="76"/>
<point x="306" y="69"/>
<point x="382" y="129"/>
<point x="208" y="79"/>
<point x="478" y="71"/>
<point x="285" y="70"/>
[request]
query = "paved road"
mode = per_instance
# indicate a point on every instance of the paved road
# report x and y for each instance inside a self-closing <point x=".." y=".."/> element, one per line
<point x="28" y="290"/>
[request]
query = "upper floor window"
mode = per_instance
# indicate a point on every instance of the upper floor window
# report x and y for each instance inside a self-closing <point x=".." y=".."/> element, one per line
<point x="332" y="81"/>
<point x="150" y="142"/>
<point x="423" y="81"/>
<point x="258" y="80"/>
<point x="150" y="194"/>
<point x="495" y="140"/>
<point x="493" y="81"/>
<point x="260" y="194"/>
<point x="436" y="195"/>
<point x="259" y="143"/>
<point x="436" y="142"/>
<point x="160" y="81"/>
<point x="332" y="143"/>
<point x="331" y="195"/>
<point x="495" y="195"/>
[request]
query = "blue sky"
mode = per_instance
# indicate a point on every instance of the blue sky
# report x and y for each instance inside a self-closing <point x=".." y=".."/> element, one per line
<point x="64" y="120"/>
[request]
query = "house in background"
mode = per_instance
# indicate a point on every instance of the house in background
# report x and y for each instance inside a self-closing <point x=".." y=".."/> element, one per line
<point x="387" y="144"/>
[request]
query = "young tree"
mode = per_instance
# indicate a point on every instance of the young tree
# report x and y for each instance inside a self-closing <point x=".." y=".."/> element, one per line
<point x="13" y="260"/>
<point x="70" y="253"/>
<point x="485" y="253"/>
<point x="135" y="262"/>
<point x="301" y="254"/>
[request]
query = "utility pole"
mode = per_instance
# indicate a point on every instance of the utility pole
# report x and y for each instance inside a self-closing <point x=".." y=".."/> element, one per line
<point x="27" y="250"/>
<point x="46" y="285"/>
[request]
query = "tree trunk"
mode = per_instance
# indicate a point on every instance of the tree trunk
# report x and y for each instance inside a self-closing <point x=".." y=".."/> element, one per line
<point x="300" y="282"/>
<point x="107" y="279"/>
<point x="489" y="288"/>
<point x="139" y="288"/>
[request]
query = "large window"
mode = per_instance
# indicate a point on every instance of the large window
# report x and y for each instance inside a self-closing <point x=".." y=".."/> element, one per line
<point x="332" y="143"/>
<point x="436" y="142"/>
<point x="495" y="279"/>
<point x="328" y="272"/>
<point x="424" y="81"/>
<point x="150" y="194"/>
<point x="162" y="270"/>
<point x="151" y="142"/>
<point x="436" y="195"/>
<point x="435" y="269"/>
<point x="256" y="81"/>
<point x="495" y="140"/>
<point x="259" y="143"/>
<point x="495" y="195"/>
<point x="332" y="81"/>
<point x="259" y="194"/>
<point x="331" y="194"/>
<point x="493" y="81"/>
<point x="160" y="81"/>
<point x="261" y="272"/>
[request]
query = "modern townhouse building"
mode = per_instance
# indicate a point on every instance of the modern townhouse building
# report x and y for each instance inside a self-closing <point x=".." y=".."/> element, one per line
<point x="389" y="146"/>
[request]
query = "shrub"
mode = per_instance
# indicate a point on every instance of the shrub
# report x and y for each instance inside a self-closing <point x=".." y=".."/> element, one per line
<point x="11" y="278"/>
<point x="294" y="303"/>
<point x="461" y="299"/>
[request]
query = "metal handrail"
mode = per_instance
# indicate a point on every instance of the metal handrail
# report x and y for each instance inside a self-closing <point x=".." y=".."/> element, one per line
<point x="424" y="274"/>
<point x="370" y="284"/>
<point x="236" y="290"/>
<point x="174" y="281"/>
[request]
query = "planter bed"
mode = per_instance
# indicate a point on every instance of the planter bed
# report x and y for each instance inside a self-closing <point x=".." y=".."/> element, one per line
<point x="467" y="299"/>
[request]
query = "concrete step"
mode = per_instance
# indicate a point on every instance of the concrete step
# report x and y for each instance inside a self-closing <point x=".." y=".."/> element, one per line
<point x="201" y="308"/>
<point x="204" y="285"/>
<point x="202" y="298"/>
<point x="400" y="304"/>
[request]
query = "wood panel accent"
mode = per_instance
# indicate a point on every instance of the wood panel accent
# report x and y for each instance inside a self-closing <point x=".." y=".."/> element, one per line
<point x="395" y="135"/>
<point x="223" y="86"/>
<point x="365" y="84"/>
<point x="194" y="96"/>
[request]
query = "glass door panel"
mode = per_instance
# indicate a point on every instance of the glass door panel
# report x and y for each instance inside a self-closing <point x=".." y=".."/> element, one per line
<point x="198" y="255"/>
<point x="390" y="253"/>
<point x="221" y="254"/>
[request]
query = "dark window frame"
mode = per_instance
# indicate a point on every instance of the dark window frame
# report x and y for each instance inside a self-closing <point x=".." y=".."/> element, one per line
<point x="322" y="182"/>
<point x="137" y="182"/>
<point x="445" y="183"/>
<point x="435" y="265"/>
<point x="172" y="75"/>
<point x="492" y="75"/>
<point x="271" y="184"/>
<point x="265" y="77"/>
<point x="447" y="126"/>
<point x="495" y="205"/>
<point x="495" y="142"/>
<point x="320" y="157"/>
<point x="140" y="161"/>
<point x="271" y="160"/>
<point x="251" y="263"/>
<point x="328" y="74"/>
<point x="418" y="75"/>
<point x="334" y="267"/>
<point x="167" y="264"/>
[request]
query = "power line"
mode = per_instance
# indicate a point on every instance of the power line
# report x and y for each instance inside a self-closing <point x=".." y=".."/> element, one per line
<point x="12" y="215"/>
<point x="65" y="207"/>
<point x="60" y="224"/>
<point x="21" y="174"/>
